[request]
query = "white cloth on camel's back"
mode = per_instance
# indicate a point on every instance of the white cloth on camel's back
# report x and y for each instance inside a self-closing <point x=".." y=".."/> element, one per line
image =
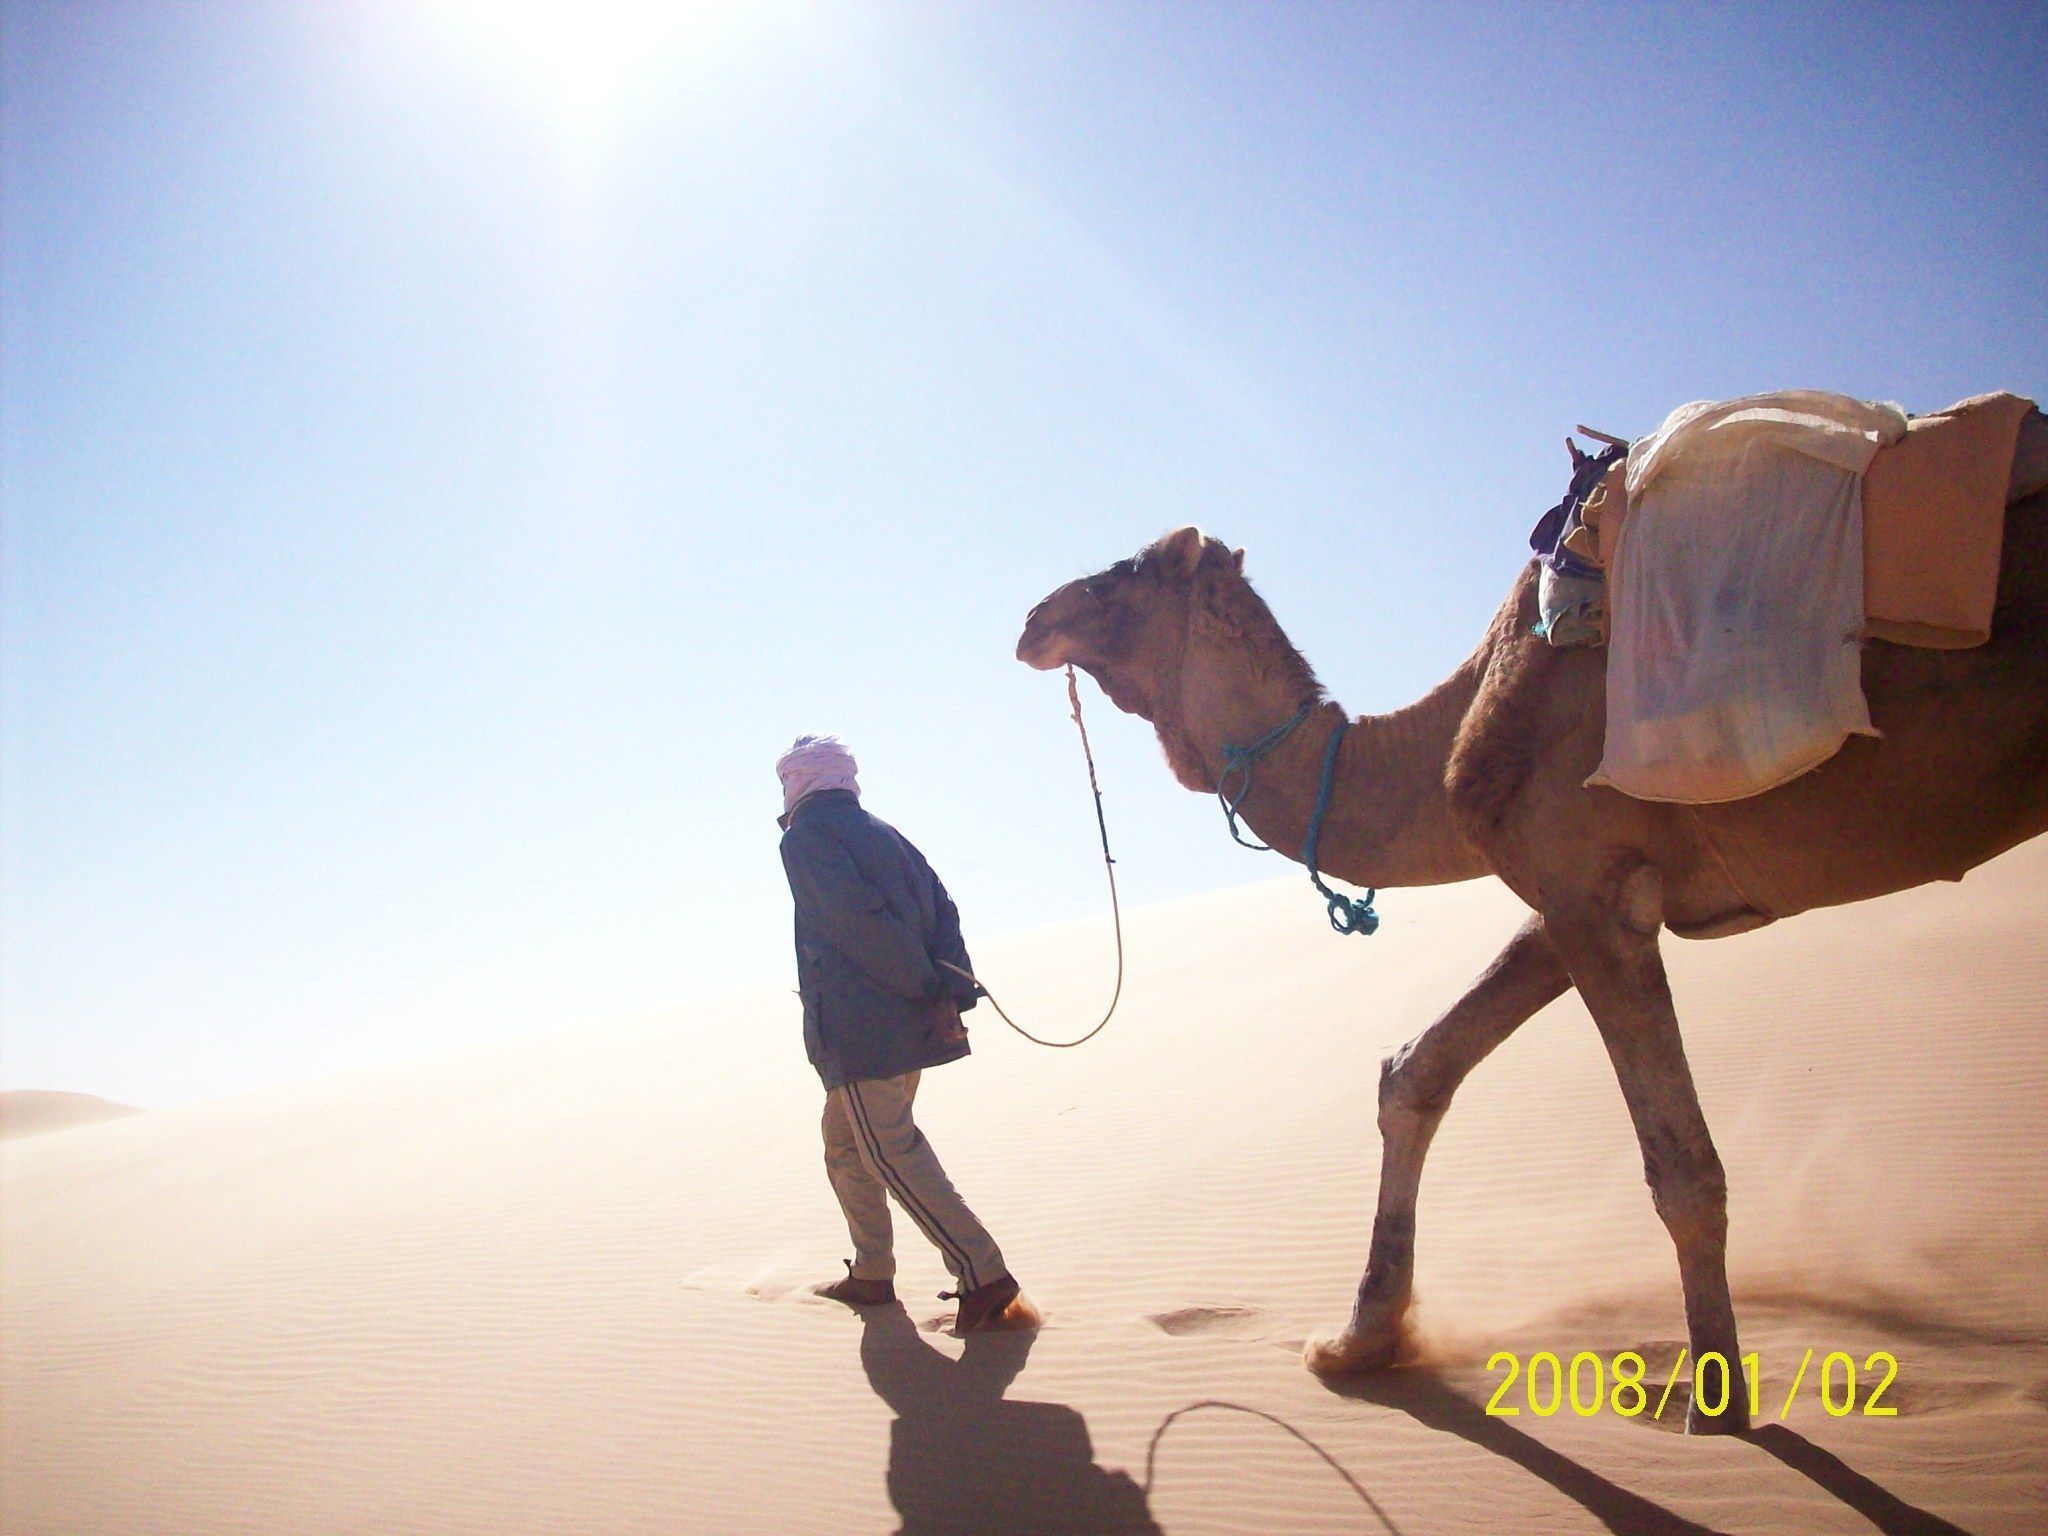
<point x="1734" y="658"/>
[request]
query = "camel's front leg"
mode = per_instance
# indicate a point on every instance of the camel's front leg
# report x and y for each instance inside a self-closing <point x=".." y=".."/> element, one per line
<point x="1416" y="1084"/>
<point x="1620" y="974"/>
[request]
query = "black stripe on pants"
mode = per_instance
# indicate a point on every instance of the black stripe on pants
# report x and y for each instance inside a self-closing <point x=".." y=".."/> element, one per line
<point x="903" y="1193"/>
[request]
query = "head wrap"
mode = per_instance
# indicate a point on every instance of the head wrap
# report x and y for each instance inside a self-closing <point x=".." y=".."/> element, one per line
<point x="812" y="764"/>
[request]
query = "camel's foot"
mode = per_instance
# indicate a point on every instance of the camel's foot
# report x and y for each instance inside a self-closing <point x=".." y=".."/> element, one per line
<point x="1353" y="1352"/>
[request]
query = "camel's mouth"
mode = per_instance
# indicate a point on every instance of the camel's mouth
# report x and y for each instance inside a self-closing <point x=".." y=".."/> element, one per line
<point x="1039" y="646"/>
<point x="1037" y="650"/>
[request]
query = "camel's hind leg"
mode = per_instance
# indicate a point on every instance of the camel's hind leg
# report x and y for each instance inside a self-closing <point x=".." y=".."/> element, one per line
<point x="1620" y="975"/>
<point x="1416" y="1084"/>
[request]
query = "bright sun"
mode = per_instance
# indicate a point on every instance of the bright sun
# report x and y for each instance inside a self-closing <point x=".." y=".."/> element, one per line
<point x="586" y="55"/>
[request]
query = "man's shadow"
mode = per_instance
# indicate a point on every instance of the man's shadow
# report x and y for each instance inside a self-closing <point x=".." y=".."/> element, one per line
<point x="964" y="1458"/>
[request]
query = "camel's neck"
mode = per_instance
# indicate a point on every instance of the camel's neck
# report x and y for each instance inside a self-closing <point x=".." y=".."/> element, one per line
<point x="1388" y="822"/>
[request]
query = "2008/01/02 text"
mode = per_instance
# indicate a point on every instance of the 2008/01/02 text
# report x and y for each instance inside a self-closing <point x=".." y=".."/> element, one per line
<point x="1590" y="1384"/>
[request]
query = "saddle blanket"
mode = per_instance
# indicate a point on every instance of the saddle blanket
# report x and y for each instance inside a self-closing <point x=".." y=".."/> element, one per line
<point x="1765" y="538"/>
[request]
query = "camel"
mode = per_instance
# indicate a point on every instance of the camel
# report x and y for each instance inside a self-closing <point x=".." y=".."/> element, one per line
<point x="1486" y="775"/>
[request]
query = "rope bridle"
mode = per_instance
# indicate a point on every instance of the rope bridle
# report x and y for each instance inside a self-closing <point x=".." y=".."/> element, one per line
<point x="1348" y="914"/>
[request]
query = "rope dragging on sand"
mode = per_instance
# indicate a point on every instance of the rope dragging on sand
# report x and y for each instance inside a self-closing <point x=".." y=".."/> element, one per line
<point x="1115" y="911"/>
<point x="1159" y="1434"/>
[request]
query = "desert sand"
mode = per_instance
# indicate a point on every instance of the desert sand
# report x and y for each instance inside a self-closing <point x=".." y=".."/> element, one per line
<point x="32" y="1111"/>
<point x="561" y="1286"/>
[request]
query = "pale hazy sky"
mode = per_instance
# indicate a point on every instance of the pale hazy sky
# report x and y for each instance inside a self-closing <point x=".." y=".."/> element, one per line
<point x="449" y="449"/>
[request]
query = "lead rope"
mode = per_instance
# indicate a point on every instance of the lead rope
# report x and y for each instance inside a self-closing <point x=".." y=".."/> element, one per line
<point x="1115" y="911"/>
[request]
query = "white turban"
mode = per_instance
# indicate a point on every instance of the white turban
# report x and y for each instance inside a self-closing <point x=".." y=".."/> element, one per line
<point x="814" y="763"/>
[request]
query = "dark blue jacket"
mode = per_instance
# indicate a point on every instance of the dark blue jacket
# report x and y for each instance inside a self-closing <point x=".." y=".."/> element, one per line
<point x="872" y="923"/>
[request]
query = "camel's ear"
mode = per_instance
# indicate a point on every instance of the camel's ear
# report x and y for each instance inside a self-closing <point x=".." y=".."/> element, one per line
<point x="1237" y="559"/>
<point x="1182" y="549"/>
<point x="1578" y="456"/>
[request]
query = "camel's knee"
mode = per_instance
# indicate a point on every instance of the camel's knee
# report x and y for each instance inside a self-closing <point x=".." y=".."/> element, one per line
<point x="1418" y="1080"/>
<point x="1410" y="1091"/>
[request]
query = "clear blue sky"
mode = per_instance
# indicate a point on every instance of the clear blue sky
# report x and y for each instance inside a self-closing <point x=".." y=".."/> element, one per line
<point x="450" y="448"/>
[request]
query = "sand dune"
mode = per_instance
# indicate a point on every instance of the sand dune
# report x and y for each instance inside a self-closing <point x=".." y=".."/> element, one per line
<point x="559" y="1287"/>
<point x="32" y="1111"/>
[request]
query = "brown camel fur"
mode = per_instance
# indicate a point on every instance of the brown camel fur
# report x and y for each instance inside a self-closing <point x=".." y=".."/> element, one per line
<point x="1487" y="774"/>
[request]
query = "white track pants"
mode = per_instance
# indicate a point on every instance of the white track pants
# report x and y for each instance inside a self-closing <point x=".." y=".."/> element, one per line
<point x="872" y="1145"/>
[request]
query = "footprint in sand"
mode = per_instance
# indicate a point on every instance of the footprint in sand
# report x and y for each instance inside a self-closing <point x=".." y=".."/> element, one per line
<point x="1237" y="1322"/>
<point x="769" y="1284"/>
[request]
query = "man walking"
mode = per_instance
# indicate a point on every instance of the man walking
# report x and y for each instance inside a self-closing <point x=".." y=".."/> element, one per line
<point x="873" y="924"/>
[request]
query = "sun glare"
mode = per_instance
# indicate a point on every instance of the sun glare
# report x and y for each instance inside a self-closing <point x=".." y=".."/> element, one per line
<point x="589" y="56"/>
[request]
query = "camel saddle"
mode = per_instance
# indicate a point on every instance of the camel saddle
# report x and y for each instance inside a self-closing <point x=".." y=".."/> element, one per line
<point x="1933" y="519"/>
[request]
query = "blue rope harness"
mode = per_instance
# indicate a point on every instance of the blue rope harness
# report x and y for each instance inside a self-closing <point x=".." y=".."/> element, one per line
<point x="1347" y="914"/>
<point x="1241" y="761"/>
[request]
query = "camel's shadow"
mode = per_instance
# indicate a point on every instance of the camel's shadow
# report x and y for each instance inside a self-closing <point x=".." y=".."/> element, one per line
<point x="962" y="1457"/>
<point x="1435" y="1404"/>
<point x="1876" y="1503"/>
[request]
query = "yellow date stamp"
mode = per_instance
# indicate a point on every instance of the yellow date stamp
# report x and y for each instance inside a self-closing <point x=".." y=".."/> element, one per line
<point x="1589" y="1384"/>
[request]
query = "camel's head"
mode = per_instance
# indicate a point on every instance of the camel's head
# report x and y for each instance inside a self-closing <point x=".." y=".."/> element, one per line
<point x="1126" y="626"/>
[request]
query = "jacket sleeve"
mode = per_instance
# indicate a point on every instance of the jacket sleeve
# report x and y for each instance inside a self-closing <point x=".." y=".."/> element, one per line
<point x="948" y="945"/>
<point x="853" y="916"/>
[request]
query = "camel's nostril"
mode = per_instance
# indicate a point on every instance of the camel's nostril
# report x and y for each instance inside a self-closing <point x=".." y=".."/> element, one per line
<point x="1038" y="647"/>
<point x="1033" y="640"/>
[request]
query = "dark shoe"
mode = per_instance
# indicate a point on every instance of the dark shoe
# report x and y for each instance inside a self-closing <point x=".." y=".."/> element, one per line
<point x="984" y="1306"/>
<point x="856" y="1292"/>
